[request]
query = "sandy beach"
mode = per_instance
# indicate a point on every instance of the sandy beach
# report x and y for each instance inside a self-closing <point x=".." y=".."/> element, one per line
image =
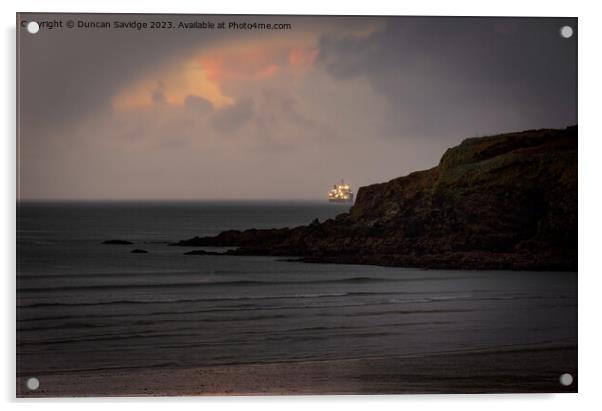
<point x="519" y="371"/>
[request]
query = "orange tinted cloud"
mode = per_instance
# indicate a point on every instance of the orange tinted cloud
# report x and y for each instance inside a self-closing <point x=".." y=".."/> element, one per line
<point x="302" y="57"/>
<point x="175" y="85"/>
<point x="257" y="60"/>
<point x="206" y="74"/>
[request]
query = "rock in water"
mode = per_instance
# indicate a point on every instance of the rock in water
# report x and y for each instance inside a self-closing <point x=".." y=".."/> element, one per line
<point x="202" y="252"/>
<point x="139" y="251"/>
<point x="120" y="242"/>
<point x="502" y="202"/>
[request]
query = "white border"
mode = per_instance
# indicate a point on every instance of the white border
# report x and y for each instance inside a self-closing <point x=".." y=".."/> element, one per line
<point x="590" y="151"/>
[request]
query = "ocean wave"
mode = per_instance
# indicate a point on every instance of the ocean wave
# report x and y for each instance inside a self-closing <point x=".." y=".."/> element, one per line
<point x="82" y="325"/>
<point x="248" y="307"/>
<point x="406" y="312"/>
<point x="145" y="273"/>
<point x="247" y="337"/>
<point x="351" y="280"/>
<point x="235" y="308"/>
<point x="230" y="298"/>
<point x="200" y="300"/>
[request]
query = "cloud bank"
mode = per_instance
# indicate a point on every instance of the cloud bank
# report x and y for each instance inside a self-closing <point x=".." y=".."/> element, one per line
<point x="245" y="115"/>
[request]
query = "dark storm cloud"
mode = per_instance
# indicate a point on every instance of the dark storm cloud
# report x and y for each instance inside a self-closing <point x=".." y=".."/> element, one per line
<point x="232" y="118"/>
<point x="198" y="104"/>
<point x="450" y="77"/>
<point x="158" y="94"/>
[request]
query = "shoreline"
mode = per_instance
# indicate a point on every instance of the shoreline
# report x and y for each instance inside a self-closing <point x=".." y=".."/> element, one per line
<point x="524" y="370"/>
<point x="449" y="261"/>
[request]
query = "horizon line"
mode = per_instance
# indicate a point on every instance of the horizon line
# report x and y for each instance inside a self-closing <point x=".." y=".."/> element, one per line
<point x="155" y="200"/>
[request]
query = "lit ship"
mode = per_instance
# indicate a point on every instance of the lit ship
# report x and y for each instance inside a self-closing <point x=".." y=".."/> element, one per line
<point x="340" y="193"/>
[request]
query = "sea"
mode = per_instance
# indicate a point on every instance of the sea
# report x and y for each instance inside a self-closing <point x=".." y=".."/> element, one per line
<point x="84" y="305"/>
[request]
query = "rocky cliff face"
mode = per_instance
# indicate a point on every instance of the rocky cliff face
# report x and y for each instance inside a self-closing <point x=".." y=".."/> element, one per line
<point x="499" y="202"/>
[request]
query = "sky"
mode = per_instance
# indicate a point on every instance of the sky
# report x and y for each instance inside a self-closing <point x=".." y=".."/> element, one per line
<point x="122" y="114"/>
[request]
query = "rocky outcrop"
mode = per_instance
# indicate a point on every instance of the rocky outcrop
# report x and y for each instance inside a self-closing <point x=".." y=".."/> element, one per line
<point x="117" y="242"/>
<point x="501" y="202"/>
<point x="202" y="252"/>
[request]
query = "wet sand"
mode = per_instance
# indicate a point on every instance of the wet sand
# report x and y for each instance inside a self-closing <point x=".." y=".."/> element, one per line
<point x="518" y="371"/>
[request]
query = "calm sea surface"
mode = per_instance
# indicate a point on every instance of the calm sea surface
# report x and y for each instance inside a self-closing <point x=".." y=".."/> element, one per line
<point x="82" y="305"/>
